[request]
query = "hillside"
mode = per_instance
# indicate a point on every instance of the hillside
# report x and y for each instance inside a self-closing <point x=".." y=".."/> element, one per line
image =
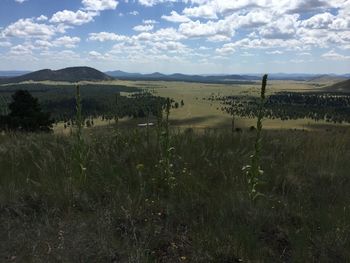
<point x="327" y="79"/>
<point x="343" y="86"/>
<point x="72" y="74"/>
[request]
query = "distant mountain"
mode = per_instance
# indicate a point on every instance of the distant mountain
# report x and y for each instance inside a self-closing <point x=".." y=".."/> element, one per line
<point x="343" y="86"/>
<point x="222" y="79"/>
<point x="73" y="74"/>
<point x="13" y="73"/>
<point x="327" y="78"/>
<point x="119" y="73"/>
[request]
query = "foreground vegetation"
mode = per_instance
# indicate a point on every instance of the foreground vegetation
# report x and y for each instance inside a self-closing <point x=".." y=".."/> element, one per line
<point x="149" y="197"/>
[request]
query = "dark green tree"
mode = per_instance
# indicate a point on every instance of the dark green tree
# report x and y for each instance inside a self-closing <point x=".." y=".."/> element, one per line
<point x="26" y="115"/>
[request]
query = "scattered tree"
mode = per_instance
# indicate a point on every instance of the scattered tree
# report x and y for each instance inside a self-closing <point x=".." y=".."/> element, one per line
<point x="26" y="115"/>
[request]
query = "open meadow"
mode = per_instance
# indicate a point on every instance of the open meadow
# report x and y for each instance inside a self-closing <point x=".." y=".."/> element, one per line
<point x="197" y="111"/>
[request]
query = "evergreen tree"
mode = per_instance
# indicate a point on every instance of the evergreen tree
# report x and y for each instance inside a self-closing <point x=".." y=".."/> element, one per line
<point x="26" y="115"/>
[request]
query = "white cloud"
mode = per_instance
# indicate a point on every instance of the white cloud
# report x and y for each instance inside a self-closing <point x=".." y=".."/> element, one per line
<point x="106" y="36"/>
<point x="95" y="54"/>
<point x="170" y="46"/>
<point x="226" y="49"/>
<point x="41" y="18"/>
<point x="20" y="1"/>
<point x="164" y="34"/>
<point x="21" y="50"/>
<point x="284" y="27"/>
<point x="134" y="13"/>
<point x="143" y="28"/>
<point x="150" y="3"/>
<point x="176" y="18"/>
<point x="66" y="41"/>
<point x="43" y="44"/>
<point x="274" y="52"/>
<point x="149" y="21"/>
<point x="99" y="5"/>
<point x="26" y="28"/>
<point x="208" y="29"/>
<point x="73" y="18"/>
<point x="319" y="21"/>
<point x="332" y="55"/>
<point x="98" y="56"/>
<point x="204" y="11"/>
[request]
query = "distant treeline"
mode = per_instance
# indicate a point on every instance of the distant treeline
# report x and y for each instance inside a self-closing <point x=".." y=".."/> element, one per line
<point x="290" y="106"/>
<point x="97" y="100"/>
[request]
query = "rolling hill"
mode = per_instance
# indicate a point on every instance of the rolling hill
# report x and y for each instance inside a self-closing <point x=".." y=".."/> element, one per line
<point x="343" y="86"/>
<point x="72" y="74"/>
<point x="327" y="79"/>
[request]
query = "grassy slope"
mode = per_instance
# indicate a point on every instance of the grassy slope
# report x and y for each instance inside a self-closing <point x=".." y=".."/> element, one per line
<point x="127" y="212"/>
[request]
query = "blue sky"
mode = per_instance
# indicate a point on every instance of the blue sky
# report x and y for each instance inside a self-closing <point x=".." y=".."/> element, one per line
<point x="187" y="36"/>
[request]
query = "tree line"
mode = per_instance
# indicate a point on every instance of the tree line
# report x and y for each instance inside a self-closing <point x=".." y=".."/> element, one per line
<point x="290" y="106"/>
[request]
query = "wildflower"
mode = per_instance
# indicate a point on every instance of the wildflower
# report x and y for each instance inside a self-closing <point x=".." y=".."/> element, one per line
<point x="140" y="167"/>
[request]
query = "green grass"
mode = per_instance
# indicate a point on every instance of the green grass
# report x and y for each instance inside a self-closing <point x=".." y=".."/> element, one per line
<point x="126" y="211"/>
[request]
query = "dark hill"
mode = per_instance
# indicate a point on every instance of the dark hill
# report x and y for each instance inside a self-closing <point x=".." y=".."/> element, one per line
<point x="343" y="86"/>
<point x="73" y="74"/>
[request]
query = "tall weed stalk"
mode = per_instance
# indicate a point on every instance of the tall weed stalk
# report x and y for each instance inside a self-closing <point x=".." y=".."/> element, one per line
<point x="80" y="148"/>
<point x="254" y="171"/>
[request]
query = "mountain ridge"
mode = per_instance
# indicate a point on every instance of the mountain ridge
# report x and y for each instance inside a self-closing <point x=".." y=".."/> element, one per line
<point x="70" y="74"/>
<point x="76" y="74"/>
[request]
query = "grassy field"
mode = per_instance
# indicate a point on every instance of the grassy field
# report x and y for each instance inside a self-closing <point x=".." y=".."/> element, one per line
<point x="199" y="113"/>
<point x="129" y="208"/>
<point x="126" y="194"/>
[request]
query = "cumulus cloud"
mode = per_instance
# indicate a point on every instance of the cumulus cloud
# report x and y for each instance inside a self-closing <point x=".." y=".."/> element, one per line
<point x="219" y="27"/>
<point x="143" y="28"/>
<point x="67" y="42"/>
<point x="106" y="36"/>
<point x="176" y="18"/>
<point x="283" y="28"/>
<point x="21" y="50"/>
<point x="27" y="28"/>
<point x="319" y="21"/>
<point x="149" y="21"/>
<point x="42" y="18"/>
<point x="150" y="3"/>
<point x="208" y="29"/>
<point x="73" y="18"/>
<point x="99" y="5"/>
<point x="201" y="11"/>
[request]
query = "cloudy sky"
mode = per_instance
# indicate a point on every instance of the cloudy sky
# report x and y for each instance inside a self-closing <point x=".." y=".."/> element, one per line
<point x="188" y="36"/>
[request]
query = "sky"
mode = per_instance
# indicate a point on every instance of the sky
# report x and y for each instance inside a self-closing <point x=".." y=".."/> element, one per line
<point x="170" y="36"/>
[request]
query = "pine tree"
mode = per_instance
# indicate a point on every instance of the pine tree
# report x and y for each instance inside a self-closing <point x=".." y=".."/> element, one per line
<point x="26" y="115"/>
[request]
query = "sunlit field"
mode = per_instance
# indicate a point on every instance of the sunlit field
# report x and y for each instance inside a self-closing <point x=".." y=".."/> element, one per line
<point x="198" y="112"/>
